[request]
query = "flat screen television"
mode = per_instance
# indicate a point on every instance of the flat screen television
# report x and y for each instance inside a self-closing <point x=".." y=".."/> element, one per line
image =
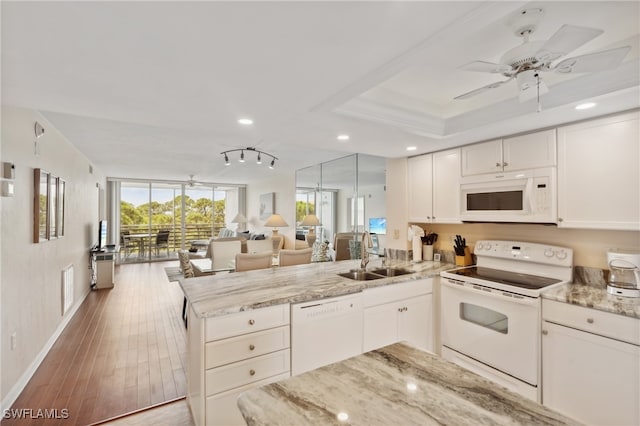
<point x="102" y="235"/>
<point x="378" y="225"/>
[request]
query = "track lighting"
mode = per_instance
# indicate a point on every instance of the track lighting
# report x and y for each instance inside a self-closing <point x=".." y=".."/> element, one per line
<point x="252" y="149"/>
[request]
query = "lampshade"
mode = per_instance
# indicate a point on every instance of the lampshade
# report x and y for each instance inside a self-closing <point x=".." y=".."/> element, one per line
<point x="239" y="219"/>
<point x="310" y="220"/>
<point x="275" y="221"/>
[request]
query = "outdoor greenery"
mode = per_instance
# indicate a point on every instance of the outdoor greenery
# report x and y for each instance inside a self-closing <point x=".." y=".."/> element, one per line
<point x="303" y="208"/>
<point x="202" y="210"/>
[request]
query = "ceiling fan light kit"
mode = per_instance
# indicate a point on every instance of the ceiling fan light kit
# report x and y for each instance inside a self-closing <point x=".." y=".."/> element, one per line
<point x="527" y="61"/>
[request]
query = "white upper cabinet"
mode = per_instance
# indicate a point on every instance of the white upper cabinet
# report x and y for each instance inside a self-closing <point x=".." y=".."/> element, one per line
<point x="529" y="151"/>
<point x="485" y="157"/>
<point x="599" y="173"/>
<point x="446" y="186"/>
<point x="420" y="188"/>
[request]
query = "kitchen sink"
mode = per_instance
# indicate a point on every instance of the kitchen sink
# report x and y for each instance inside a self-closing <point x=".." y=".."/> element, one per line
<point x="361" y="275"/>
<point x="391" y="272"/>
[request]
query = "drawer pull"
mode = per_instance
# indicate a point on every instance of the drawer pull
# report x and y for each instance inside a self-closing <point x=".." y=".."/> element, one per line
<point x="590" y="320"/>
<point x="252" y="372"/>
<point x="251" y="322"/>
<point x="545" y="332"/>
<point x="252" y="347"/>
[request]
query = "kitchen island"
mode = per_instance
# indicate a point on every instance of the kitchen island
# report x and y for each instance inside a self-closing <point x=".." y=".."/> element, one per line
<point x="242" y="331"/>
<point x="229" y="293"/>
<point x="394" y="385"/>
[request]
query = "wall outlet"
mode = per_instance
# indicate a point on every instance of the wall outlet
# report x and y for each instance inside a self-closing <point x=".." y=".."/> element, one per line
<point x="14" y="340"/>
<point x="396" y="234"/>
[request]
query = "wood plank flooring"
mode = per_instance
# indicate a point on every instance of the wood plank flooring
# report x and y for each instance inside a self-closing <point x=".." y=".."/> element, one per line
<point x="174" y="413"/>
<point x="124" y="349"/>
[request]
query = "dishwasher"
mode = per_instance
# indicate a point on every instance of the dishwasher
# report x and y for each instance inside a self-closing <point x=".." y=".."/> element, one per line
<point x="325" y="331"/>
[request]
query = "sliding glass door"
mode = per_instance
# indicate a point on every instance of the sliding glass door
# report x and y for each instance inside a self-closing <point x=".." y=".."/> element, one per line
<point x="158" y="218"/>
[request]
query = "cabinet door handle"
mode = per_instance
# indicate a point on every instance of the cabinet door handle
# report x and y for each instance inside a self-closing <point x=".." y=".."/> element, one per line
<point x="498" y="164"/>
<point x="251" y="347"/>
<point x="505" y="164"/>
<point x="559" y="219"/>
<point x="545" y="332"/>
<point x="252" y="372"/>
<point x="251" y="322"/>
<point x="399" y="309"/>
<point x="590" y="320"/>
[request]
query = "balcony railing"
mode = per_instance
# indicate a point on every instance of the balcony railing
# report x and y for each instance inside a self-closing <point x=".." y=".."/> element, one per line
<point x="192" y="232"/>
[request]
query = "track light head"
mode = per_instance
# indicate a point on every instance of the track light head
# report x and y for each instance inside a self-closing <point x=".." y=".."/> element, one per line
<point x="241" y="157"/>
<point x="226" y="160"/>
<point x="273" y="163"/>
<point x="259" y="160"/>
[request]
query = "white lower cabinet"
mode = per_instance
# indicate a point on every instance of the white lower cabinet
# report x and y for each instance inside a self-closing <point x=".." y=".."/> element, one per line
<point x="400" y="312"/>
<point x="233" y="353"/>
<point x="585" y="375"/>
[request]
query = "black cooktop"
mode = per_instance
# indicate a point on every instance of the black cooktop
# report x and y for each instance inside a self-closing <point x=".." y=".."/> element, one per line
<point x="532" y="282"/>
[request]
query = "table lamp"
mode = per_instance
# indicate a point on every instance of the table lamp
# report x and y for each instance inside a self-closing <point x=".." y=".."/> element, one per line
<point x="241" y="221"/>
<point x="311" y="220"/>
<point x="275" y="221"/>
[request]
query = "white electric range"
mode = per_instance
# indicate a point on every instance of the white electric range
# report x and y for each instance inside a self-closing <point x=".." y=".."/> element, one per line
<point x="491" y="312"/>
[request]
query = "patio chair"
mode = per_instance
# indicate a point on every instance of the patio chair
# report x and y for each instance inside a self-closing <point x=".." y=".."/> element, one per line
<point x="161" y="242"/>
<point x="295" y="257"/>
<point x="251" y="261"/>
<point x="127" y="244"/>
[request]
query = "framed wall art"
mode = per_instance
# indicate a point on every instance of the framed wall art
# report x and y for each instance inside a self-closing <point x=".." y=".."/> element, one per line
<point x="267" y="205"/>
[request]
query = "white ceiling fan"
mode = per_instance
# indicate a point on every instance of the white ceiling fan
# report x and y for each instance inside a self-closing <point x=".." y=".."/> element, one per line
<point x="527" y="61"/>
<point x="191" y="183"/>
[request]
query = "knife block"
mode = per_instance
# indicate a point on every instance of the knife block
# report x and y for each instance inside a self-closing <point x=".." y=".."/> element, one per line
<point x="465" y="260"/>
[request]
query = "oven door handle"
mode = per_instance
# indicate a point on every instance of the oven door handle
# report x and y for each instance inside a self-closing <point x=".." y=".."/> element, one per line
<point x="505" y="296"/>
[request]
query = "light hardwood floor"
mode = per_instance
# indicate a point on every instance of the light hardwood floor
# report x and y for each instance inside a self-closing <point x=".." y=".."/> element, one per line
<point x="124" y="349"/>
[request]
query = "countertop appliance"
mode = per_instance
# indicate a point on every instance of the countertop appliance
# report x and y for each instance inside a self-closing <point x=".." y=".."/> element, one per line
<point x="522" y="196"/>
<point x="325" y="331"/>
<point x="624" y="276"/>
<point x="491" y="312"/>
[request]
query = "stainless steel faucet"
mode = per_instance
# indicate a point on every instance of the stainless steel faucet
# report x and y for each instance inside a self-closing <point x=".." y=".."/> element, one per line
<point x="364" y="254"/>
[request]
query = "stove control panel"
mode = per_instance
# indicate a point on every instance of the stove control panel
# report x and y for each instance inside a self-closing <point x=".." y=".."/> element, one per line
<point x="525" y="251"/>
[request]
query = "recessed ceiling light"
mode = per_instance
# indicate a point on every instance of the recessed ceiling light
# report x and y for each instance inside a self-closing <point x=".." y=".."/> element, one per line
<point x="586" y="105"/>
<point x="245" y="121"/>
<point x="411" y="148"/>
<point x="343" y="137"/>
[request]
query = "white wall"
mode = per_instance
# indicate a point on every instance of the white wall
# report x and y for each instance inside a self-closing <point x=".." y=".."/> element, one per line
<point x="285" y="204"/>
<point x="31" y="273"/>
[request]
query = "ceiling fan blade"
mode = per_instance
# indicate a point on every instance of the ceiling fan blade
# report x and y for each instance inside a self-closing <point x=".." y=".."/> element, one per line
<point x="565" y="40"/>
<point x="482" y="66"/>
<point x="593" y="62"/>
<point x="483" y="89"/>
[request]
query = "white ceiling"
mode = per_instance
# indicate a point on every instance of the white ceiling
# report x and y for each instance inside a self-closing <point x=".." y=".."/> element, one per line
<point x="154" y="89"/>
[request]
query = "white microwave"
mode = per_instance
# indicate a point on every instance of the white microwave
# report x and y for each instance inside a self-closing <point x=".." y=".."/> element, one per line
<point x="527" y="196"/>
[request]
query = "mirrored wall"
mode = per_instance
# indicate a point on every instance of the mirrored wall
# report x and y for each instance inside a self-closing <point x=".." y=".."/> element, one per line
<point x="346" y="194"/>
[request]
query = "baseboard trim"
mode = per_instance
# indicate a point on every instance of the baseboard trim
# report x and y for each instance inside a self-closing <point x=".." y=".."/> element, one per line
<point x="22" y="382"/>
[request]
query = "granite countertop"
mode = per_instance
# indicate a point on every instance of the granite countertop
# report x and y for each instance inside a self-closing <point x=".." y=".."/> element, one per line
<point x="227" y="293"/>
<point x="594" y="296"/>
<point x="394" y="385"/>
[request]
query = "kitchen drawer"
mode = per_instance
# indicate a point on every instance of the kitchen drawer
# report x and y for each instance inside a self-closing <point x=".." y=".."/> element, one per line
<point x="250" y="345"/>
<point x="593" y="321"/>
<point x="222" y="409"/>
<point x="246" y="322"/>
<point x="248" y="371"/>
<point x="390" y="293"/>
